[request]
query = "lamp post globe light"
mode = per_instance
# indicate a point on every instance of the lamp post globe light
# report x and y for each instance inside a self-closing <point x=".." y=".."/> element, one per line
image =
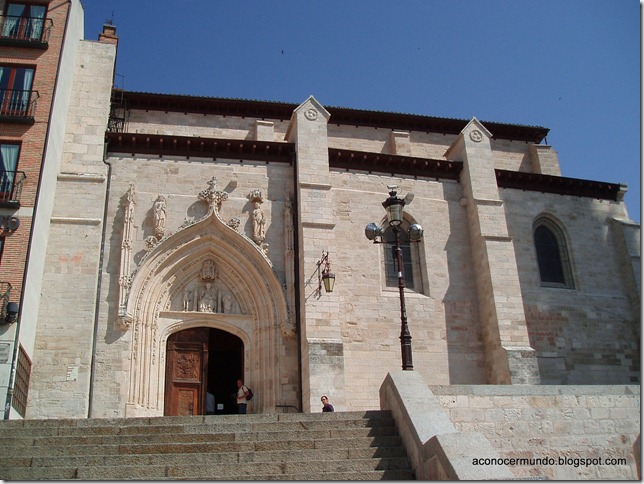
<point x="394" y="207"/>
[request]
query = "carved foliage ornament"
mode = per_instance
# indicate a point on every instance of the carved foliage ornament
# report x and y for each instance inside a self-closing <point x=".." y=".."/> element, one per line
<point x="212" y="196"/>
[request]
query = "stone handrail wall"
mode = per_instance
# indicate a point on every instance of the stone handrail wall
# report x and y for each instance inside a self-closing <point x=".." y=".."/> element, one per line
<point x="562" y="432"/>
<point x="436" y="449"/>
<point x="571" y="425"/>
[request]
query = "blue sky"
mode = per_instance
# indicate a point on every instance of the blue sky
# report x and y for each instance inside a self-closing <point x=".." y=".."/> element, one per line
<point x="571" y="66"/>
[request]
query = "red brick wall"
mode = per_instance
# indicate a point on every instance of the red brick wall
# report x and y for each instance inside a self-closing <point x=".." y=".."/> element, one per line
<point x="31" y="137"/>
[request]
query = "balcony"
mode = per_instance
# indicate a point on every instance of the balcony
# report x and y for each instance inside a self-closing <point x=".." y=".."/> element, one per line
<point x="11" y="188"/>
<point x="18" y="106"/>
<point x="119" y="113"/>
<point x="5" y="295"/>
<point x="25" y="31"/>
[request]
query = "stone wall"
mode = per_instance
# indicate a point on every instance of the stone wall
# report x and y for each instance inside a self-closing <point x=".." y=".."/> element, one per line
<point x="63" y="347"/>
<point x="586" y="333"/>
<point x="588" y="432"/>
<point x="477" y="311"/>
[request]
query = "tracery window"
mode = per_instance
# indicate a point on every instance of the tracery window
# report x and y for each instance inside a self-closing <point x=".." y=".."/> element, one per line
<point x="552" y="254"/>
<point x="411" y="259"/>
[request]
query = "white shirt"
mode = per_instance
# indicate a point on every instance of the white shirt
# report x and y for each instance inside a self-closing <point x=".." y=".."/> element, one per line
<point x="241" y="394"/>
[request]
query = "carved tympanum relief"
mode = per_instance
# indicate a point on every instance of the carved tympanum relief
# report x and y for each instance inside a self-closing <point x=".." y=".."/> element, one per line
<point x="206" y="294"/>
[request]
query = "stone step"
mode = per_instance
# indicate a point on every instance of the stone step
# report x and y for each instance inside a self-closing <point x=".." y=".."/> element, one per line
<point x="200" y="447"/>
<point x="191" y="428"/>
<point x="369" y="415"/>
<point x="199" y="437"/>
<point x="275" y="470"/>
<point x="333" y="446"/>
<point x="201" y="458"/>
<point x="72" y="474"/>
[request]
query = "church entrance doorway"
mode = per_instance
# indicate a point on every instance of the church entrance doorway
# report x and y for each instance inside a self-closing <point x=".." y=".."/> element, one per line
<point x="200" y="361"/>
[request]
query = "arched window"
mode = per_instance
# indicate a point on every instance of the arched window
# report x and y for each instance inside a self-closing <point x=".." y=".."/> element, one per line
<point x="552" y="254"/>
<point x="411" y="259"/>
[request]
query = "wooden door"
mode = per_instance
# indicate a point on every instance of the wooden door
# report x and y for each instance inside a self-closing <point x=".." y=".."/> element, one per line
<point x="186" y="372"/>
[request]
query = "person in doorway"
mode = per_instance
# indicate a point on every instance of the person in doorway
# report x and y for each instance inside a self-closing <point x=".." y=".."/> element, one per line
<point x="242" y="391"/>
<point x="326" y="406"/>
<point x="210" y="404"/>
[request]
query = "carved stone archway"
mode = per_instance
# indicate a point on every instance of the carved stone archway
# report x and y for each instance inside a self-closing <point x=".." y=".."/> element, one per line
<point x="168" y="293"/>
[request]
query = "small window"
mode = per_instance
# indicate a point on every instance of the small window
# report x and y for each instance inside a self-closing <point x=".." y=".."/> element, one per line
<point x="9" y="153"/>
<point x="552" y="254"/>
<point x="15" y="90"/>
<point x="23" y="21"/>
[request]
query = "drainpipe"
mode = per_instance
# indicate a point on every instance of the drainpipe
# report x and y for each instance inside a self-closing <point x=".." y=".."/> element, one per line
<point x="97" y="304"/>
<point x="297" y="282"/>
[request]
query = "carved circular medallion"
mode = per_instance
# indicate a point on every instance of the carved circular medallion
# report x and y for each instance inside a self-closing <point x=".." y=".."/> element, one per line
<point x="311" y="114"/>
<point x="476" y="136"/>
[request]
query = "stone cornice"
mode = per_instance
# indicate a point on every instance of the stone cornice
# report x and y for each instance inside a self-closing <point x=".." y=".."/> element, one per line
<point x="266" y="151"/>
<point x="557" y="184"/>
<point x="188" y="146"/>
<point x="394" y="164"/>
<point x="341" y="116"/>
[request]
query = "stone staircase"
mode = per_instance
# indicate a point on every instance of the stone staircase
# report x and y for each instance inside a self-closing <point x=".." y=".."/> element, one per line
<point x="321" y="446"/>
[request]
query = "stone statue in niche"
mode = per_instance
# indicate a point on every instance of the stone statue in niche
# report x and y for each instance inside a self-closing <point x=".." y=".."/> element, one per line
<point x="160" y="209"/>
<point x="227" y="302"/>
<point x="259" y="224"/>
<point x="208" y="300"/>
<point x="259" y="219"/>
<point x="187" y="299"/>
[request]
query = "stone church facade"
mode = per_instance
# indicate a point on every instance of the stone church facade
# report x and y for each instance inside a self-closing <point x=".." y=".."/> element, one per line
<point x="187" y="238"/>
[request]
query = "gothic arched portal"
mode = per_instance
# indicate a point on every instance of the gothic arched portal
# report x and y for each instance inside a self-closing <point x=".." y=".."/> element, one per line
<point x="205" y="275"/>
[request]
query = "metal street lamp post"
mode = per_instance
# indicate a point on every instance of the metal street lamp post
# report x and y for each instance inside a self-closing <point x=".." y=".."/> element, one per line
<point x="394" y="207"/>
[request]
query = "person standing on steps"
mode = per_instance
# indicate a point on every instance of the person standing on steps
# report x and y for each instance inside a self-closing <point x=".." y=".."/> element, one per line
<point x="242" y="391"/>
<point x="326" y="406"/>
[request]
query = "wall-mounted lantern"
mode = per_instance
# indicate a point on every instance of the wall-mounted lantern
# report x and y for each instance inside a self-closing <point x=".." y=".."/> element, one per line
<point x="325" y="276"/>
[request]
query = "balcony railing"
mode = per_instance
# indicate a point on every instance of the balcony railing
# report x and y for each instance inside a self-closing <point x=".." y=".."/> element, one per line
<point x="118" y="112"/>
<point x="26" y="31"/>
<point x="5" y="294"/>
<point x="18" y="105"/>
<point x="11" y="188"/>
